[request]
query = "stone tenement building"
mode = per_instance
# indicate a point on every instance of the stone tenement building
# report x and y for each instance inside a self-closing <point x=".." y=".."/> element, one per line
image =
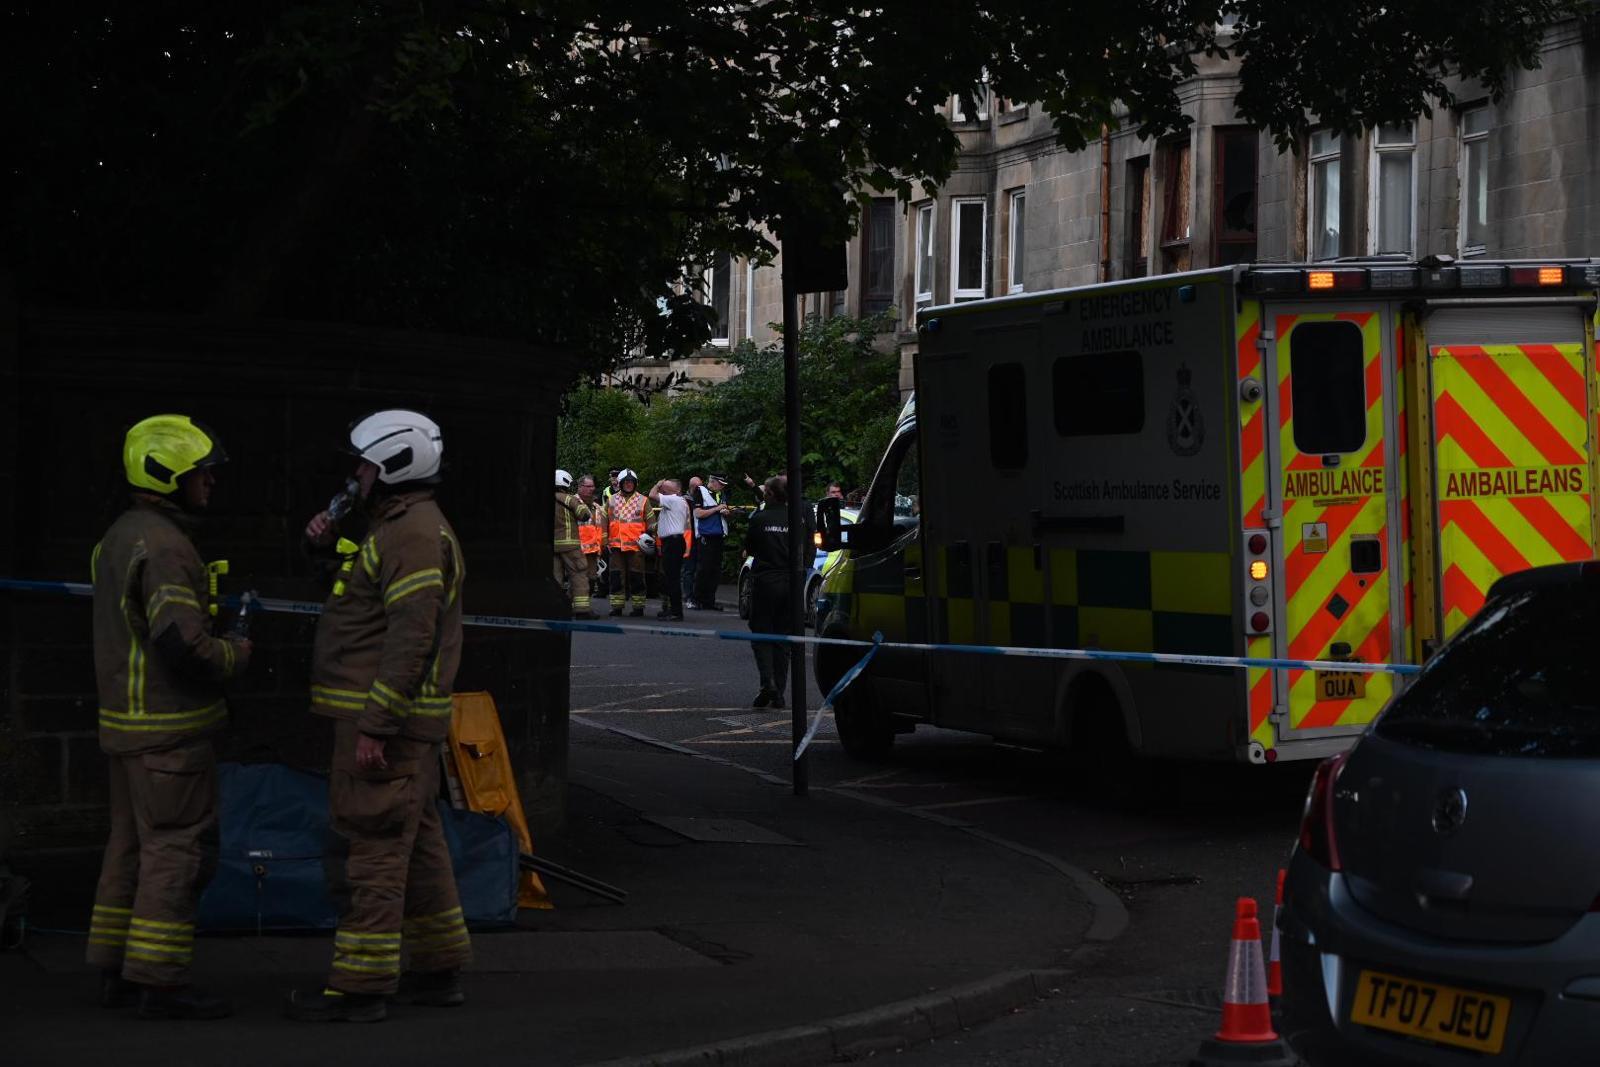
<point x="1515" y="179"/>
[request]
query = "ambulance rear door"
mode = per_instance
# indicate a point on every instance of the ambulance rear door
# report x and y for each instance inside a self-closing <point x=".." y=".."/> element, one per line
<point x="1513" y="444"/>
<point x="1336" y="466"/>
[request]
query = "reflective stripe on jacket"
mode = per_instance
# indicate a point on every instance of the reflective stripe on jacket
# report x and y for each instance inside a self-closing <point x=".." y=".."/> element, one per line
<point x="570" y="512"/>
<point x="388" y="644"/>
<point x="158" y="668"/>
<point x="627" y="520"/>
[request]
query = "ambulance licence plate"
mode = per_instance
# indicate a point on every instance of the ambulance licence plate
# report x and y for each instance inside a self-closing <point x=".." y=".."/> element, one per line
<point x="1341" y="685"/>
<point x="1442" y="1014"/>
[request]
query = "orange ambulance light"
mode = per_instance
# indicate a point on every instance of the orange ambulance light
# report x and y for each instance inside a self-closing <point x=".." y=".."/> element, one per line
<point x="1540" y="276"/>
<point x="1258" y="570"/>
<point x="1327" y="281"/>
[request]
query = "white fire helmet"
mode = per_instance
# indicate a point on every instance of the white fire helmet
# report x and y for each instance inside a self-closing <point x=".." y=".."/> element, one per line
<point x="627" y="475"/>
<point x="405" y="445"/>
<point x="563" y="479"/>
<point x="647" y="545"/>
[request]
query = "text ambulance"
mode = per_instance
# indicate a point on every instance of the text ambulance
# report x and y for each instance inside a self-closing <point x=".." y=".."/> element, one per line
<point x="1327" y="462"/>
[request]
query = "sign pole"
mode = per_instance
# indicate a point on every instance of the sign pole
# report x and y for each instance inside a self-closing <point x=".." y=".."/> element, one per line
<point x="798" y="541"/>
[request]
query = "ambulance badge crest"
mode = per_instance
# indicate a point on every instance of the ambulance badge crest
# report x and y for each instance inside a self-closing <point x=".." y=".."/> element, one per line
<point x="1186" y="427"/>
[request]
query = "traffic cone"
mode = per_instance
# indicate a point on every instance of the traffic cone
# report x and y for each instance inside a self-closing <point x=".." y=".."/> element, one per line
<point x="1274" y="961"/>
<point x="1246" y="1035"/>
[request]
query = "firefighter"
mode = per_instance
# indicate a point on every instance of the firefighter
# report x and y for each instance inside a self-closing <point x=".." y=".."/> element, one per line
<point x="383" y="665"/>
<point x="591" y="536"/>
<point x="160" y="672"/>
<point x="625" y="525"/>
<point x="571" y="513"/>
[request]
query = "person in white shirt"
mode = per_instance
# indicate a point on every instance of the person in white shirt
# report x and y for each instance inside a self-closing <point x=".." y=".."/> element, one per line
<point x="671" y="521"/>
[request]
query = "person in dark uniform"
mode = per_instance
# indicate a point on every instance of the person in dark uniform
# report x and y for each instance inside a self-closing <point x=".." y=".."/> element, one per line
<point x="767" y="543"/>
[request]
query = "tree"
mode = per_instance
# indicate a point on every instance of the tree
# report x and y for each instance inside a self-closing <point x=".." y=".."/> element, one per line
<point x="732" y="427"/>
<point x="546" y="170"/>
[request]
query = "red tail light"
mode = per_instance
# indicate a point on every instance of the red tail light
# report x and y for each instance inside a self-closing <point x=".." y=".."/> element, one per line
<point x="1316" y="825"/>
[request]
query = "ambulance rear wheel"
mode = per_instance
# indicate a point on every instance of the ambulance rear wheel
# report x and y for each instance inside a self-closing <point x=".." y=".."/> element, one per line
<point x="865" y="732"/>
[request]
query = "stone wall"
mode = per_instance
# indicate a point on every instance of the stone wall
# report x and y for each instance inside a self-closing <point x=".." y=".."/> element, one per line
<point x="281" y="396"/>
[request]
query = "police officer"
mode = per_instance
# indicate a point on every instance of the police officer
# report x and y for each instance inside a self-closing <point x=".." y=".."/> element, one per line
<point x="571" y="514"/>
<point x="383" y="665"/>
<point x="160" y="671"/>
<point x="711" y="528"/>
<point x="771" y="586"/>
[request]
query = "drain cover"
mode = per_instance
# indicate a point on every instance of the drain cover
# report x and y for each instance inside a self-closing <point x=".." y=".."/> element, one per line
<point x="720" y="831"/>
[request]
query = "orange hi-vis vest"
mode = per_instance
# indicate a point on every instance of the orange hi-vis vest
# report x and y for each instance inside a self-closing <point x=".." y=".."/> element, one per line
<point x="592" y="533"/>
<point x="627" y="520"/>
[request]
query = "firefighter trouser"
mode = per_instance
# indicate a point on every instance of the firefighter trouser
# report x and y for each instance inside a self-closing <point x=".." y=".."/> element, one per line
<point x="769" y="614"/>
<point x="389" y="868"/>
<point x="571" y="567"/>
<point x="627" y="579"/>
<point x="161" y="853"/>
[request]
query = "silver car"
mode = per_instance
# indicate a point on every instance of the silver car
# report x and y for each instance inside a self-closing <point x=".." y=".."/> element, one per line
<point x="1443" y="903"/>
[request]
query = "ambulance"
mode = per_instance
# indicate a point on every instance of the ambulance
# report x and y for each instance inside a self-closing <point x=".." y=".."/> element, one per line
<point x="1328" y="461"/>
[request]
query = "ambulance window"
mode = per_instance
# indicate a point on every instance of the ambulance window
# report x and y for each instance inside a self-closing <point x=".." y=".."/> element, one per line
<point x="1099" y="394"/>
<point x="1008" y="416"/>
<point x="1330" y="399"/>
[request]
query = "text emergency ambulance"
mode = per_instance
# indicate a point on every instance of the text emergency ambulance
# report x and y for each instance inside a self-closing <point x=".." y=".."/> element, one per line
<point x="1311" y="462"/>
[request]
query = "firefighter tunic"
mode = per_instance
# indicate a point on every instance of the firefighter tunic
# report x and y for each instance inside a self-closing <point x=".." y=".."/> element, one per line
<point x="384" y="664"/>
<point x="160" y="674"/>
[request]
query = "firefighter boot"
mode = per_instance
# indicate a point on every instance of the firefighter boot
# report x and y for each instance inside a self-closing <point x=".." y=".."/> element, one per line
<point x="116" y="991"/>
<point x="435" y="989"/>
<point x="332" y="1006"/>
<point x="181" y="1002"/>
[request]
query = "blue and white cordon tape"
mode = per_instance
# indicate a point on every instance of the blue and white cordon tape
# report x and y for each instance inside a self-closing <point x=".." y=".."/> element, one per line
<point x="571" y="626"/>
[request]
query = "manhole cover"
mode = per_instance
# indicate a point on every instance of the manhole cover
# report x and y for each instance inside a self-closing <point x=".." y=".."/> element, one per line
<point x="1208" y="1000"/>
<point x="720" y="831"/>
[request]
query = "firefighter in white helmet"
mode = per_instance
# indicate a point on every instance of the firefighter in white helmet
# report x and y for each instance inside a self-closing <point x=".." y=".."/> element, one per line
<point x="567" y="542"/>
<point x="626" y="512"/>
<point x="387" y="647"/>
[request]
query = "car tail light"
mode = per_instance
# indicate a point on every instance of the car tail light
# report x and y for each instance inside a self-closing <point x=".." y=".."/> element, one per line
<point x="1316" y="825"/>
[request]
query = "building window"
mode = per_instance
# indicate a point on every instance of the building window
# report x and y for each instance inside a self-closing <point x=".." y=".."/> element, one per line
<point x="969" y="260"/>
<point x="1394" y="189"/>
<point x="958" y="111"/>
<point x="1175" y="206"/>
<point x="749" y="299"/>
<point x="1017" y="249"/>
<point x="1474" y="181"/>
<point x="1098" y="394"/>
<point x="925" y="232"/>
<point x="1234" y="196"/>
<point x="1322" y="195"/>
<point x="877" y="257"/>
<point x="1138" y="189"/>
<point x="1008" y="416"/>
<point x="1327" y="387"/>
<point x="719" y="280"/>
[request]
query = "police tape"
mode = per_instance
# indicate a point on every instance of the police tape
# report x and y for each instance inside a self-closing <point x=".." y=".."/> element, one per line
<point x="872" y="647"/>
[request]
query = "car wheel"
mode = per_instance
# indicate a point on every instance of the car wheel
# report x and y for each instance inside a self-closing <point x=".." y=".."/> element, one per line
<point x="744" y="594"/>
<point x="865" y="731"/>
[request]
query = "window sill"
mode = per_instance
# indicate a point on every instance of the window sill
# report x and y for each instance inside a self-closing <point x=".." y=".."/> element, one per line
<point x="1014" y="115"/>
<point x="1475" y="251"/>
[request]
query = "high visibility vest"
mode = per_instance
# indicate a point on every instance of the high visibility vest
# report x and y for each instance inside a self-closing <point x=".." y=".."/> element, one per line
<point x="591" y="534"/>
<point x="627" y="521"/>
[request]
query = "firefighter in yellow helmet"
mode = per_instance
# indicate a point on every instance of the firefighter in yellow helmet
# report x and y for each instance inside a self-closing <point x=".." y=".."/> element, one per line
<point x="383" y="666"/>
<point x="160" y="670"/>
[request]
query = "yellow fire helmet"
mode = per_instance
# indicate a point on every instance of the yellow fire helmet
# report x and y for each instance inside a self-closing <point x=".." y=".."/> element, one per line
<point x="163" y="448"/>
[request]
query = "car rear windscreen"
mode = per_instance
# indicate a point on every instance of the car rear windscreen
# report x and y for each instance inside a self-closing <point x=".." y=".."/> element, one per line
<point x="1521" y="679"/>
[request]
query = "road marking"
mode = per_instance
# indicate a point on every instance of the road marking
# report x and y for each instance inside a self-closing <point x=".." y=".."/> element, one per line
<point x="646" y="711"/>
<point x="967" y="803"/>
<point x="713" y="740"/>
<point x="628" y="700"/>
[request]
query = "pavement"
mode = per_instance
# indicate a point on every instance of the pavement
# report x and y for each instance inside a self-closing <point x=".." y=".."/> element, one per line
<point x="760" y="928"/>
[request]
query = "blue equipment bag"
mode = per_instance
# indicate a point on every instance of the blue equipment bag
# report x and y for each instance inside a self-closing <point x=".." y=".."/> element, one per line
<point x="274" y="823"/>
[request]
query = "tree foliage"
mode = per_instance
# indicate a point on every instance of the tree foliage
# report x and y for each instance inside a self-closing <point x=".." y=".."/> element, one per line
<point x="850" y="397"/>
<point x="546" y="169"/>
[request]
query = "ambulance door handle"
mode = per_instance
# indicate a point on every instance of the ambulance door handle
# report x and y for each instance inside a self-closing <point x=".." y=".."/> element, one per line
<point x="912" y="573"/>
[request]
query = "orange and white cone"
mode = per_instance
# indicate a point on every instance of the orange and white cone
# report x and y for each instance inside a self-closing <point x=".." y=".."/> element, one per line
<point x="1275" y="960"/>
<point x="1246" y="1035"/>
